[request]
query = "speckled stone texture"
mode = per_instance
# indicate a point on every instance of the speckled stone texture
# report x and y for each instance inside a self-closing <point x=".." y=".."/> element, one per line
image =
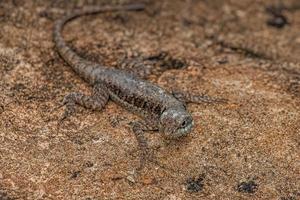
<point x="248" y="148"/>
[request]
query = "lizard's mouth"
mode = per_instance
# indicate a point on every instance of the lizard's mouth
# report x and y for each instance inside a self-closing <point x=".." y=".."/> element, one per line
<point x="184" y="131"/>
<point x="181" y="132"/>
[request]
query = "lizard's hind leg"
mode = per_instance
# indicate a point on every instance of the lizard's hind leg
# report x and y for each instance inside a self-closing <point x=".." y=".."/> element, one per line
<point x="97" y="101"/>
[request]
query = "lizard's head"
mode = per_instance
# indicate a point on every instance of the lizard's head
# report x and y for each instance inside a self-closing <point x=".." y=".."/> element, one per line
<point x="175" y="122"/>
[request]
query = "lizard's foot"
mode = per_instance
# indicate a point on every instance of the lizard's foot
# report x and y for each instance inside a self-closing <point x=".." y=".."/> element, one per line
<point x="69" y="102"/>
<point x="95" y="102"/>
<point x="190" y="98"/>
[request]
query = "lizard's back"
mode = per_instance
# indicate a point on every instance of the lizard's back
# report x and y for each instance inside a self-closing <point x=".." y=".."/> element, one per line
<point x="134" y="93"/>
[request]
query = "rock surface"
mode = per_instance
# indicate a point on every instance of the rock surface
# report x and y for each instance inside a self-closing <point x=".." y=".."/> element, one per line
<point x="248" y="148"/>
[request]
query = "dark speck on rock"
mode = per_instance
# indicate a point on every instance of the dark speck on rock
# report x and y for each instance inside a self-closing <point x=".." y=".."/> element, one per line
<point x="194" y="185"/>
<point x="18" y="87"/>
<point x="247" y="187"/>
<point x="278" y="21"/>
<point x="89" y="164"/>
<point x="186" y="22"/>
<point x="222" y="61"/>
<point x="78" y="140"/>
<point x="75" y="174"/>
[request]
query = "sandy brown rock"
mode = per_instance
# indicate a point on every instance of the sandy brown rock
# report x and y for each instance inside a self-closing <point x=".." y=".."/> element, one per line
<point x="246" y="149"/>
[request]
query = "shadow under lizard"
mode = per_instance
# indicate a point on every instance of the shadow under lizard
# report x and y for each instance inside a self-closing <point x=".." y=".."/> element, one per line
<point x="162" y="111"/>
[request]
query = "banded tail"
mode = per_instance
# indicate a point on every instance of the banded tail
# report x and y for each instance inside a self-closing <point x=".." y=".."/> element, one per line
<point x="80" y="65"/>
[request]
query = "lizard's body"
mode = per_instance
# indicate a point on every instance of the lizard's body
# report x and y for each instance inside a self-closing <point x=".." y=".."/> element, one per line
<point x="160" y="109"/>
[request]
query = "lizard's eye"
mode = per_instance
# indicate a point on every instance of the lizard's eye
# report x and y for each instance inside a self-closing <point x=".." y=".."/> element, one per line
<point x="183" y="124"/>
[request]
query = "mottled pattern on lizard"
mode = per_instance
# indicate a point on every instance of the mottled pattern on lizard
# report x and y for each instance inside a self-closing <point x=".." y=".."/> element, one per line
<point x="160" y="109"/>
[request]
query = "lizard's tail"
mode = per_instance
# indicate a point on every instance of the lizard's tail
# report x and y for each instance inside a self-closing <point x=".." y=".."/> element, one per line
<point x="80" y="65"/>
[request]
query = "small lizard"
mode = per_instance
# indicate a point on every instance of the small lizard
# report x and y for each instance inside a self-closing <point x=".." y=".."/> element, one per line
<point x="161" y="110"/>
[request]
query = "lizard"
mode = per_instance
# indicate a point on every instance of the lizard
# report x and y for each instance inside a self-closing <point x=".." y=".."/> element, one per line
<point x="160" y="110"/>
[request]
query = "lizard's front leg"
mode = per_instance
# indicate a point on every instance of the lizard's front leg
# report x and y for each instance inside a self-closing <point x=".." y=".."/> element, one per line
<point x="139" y="128"/>
<point x="97" y="101"/>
